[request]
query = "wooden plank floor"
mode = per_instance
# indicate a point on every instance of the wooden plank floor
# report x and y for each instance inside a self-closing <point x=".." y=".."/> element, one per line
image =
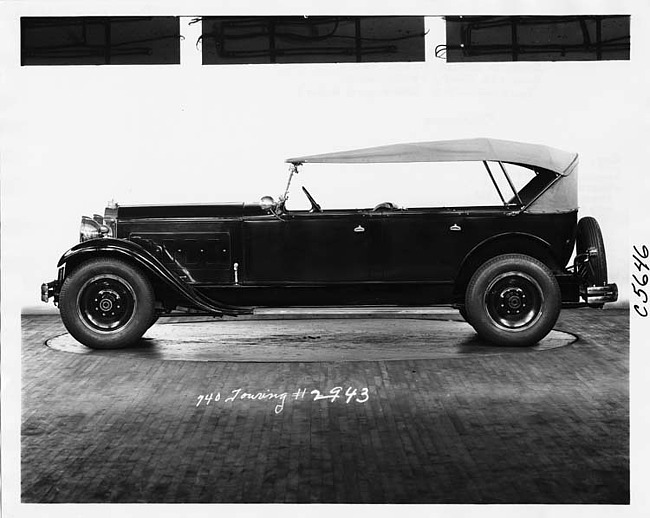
<point x="310" y="340"/>
<point x="545" y="427"/>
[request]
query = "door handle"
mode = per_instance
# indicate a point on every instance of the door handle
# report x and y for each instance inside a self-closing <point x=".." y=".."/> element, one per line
<point x="454" y="227"/>
<point x="359" y="228"/>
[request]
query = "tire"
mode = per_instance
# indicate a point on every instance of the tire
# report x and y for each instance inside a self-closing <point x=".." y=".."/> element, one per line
<point x="589" y="236"/>
<point x="106" y="304"/>
<point x="513" y="300"/>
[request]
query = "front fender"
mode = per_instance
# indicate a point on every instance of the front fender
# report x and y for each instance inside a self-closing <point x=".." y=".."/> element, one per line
<point x="152" y="266"/>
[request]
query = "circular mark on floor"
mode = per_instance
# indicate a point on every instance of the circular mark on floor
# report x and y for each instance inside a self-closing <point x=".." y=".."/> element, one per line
<point x="320" y="340"/>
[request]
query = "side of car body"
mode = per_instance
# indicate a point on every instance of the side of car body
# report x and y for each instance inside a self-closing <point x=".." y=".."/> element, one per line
<point x="505" y="267"/>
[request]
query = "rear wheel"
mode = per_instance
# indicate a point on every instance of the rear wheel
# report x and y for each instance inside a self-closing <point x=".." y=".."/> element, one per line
<point x="106" y="304"/>
<point x="590" y="238"/>
<point x="513" y="300"/>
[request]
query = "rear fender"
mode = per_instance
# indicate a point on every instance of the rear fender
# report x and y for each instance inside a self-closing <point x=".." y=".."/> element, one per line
<point x="151" y="266"/>
<point x="513" y="242"/>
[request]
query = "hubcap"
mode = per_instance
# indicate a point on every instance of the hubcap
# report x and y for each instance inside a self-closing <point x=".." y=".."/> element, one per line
<point x="514" y="300"/>
<point x="106" y="302"/>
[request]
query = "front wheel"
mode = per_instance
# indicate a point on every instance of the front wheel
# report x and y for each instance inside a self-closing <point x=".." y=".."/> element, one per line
<point x="513" y="300"/>
<point x="106" y="304"/>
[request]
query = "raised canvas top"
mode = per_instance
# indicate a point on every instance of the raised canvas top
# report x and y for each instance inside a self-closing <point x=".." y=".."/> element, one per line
<point x="476" y="149"/>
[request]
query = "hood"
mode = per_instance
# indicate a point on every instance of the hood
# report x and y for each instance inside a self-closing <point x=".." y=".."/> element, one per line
<point x="217" y="210"/>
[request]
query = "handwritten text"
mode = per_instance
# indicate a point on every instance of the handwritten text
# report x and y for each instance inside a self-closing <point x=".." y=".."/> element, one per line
<point x="350" y="396"/>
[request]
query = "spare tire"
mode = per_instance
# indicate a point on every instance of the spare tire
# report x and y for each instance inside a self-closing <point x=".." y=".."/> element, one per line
<point x="589" y="237"/>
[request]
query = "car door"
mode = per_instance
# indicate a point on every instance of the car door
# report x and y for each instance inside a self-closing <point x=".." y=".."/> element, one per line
<point x="310" y="248"/>
<point x="422" y="244"/>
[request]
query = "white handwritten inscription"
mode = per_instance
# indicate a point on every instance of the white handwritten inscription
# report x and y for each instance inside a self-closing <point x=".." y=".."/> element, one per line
<point x="351" y="395"/>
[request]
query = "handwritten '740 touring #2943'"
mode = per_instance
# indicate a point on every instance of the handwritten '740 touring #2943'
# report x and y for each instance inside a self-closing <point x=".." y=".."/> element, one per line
<point x="508" y="267"/>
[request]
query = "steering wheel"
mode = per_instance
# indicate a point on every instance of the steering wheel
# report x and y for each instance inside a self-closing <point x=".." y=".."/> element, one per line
<point x="386" y="205"/>
<point x="315" y="207"/>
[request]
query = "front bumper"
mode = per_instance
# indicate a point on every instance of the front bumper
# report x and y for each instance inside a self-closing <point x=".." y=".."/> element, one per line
<point x="52" y="288"/>
<point x="602" y="294"/>
<point x="49" y="290"/>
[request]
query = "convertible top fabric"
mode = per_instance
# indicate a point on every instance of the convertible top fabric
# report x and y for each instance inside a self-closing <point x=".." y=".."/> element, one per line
<point x="477" y="149"/>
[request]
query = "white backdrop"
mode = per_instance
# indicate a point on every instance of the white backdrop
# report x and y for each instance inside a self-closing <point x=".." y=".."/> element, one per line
<point x="74" y="137"/>
<point x="81" y="135"/>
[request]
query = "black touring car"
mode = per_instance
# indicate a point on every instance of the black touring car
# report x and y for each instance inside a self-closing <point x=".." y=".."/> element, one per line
<point x="508" y="267"/>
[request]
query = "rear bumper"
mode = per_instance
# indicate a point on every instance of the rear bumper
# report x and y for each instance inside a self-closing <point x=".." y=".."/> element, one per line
<point x="602" y="294"/>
